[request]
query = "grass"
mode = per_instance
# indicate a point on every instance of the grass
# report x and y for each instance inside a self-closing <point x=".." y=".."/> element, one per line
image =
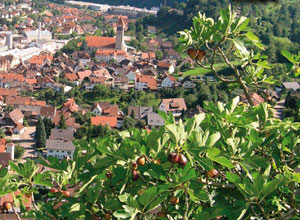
<point x="201" y="71"/>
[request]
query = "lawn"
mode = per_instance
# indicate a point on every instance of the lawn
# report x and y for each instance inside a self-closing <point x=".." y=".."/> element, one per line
<point x="201" y="71"/>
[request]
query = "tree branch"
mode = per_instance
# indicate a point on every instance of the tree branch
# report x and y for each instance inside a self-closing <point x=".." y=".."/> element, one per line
<point x="238" y="76"/>
<point x="16" y="214"/>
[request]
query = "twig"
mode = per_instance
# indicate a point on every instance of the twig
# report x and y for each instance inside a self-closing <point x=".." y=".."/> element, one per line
<point x="238" y="76"/>
<point x="186" y="203"/>
<point x="17" y="215"/>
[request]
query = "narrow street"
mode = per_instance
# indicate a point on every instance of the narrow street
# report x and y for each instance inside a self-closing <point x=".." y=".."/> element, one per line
<point x="25" y="140"/>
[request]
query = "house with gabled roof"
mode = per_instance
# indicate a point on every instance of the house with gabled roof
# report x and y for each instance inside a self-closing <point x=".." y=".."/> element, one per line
<point x="168" y="81"/>
<point x="154" y="121"/>
<point x="104" y="120"/>
<point x="175" y="106"/>
<point x="139" y="112"/>
<point x="145" y="82"/>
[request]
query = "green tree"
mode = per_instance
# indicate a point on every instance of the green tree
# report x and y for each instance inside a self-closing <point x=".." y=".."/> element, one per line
<point x="62" y="122"/>
<point x="159" y="54"/>
<point x="40" y="135"/>
<point x="128" y="123"/>
<point x="19" y="151"/>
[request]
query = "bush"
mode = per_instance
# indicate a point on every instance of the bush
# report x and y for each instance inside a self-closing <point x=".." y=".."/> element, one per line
<point x="19" y="151"/>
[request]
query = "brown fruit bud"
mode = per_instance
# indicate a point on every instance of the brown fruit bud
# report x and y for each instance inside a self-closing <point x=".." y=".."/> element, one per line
<point x="134" y="165"/>
<point x="213" y="173"/>
<point x="182" y="160"/>
<point x="173" y="157"/>
<point x="174" y="200"/>
<point x="54" y="190"/>
<point x="141" y="161"/>
<point x="66" y="193"/>
<point x="135" y="175"/>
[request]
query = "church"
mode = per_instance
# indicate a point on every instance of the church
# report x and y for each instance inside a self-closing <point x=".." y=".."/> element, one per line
<point x="93" y="43"/>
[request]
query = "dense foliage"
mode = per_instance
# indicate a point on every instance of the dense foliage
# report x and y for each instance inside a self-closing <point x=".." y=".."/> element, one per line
<point x="240" y="165"/>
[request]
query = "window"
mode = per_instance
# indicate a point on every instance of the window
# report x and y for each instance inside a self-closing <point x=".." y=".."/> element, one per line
<point x="57" y="151"/>
<point x="69" y="152"/>
<point x="50" y="151"/>
<point x="62" y="151"/>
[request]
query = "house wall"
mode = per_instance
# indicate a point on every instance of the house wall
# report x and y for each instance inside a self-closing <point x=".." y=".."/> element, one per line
<point x="60" y="153"/>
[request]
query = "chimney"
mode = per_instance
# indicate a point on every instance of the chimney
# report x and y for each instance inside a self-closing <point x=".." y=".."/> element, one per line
<point x="9" y="41"/>
<point x="40" y="31"/>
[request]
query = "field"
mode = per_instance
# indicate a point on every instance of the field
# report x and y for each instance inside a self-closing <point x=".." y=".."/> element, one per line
<point x="201" y="71"/>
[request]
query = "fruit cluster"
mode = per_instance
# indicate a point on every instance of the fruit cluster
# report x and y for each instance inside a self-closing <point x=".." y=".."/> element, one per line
<point x="177" y="158"/>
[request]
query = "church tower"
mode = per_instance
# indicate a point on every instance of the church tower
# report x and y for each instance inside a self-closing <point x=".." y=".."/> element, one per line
<point x="120" y="44"/>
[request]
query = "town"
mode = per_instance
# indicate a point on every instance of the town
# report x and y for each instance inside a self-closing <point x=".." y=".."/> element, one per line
<point x="71" y="74"/>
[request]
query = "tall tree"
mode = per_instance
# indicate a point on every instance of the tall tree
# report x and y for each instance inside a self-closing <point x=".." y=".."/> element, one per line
<point x="62" y="122"/>
<point x="41" y="136"/>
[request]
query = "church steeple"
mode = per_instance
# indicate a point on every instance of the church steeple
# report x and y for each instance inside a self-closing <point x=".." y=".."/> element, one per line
<point x="120" y="45"/>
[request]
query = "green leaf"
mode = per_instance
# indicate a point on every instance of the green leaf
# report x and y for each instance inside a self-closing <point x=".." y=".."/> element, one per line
<point x="223" y="161"/>
<point x="206" y="163"/>
<point x="264" y="64"/>
<point x="270" y="186"/>
<point x="289" y="56"/>
<point x="233" y="177"/>
<point x="75" y="207"/>
<point x="241" y="47"/>
<point x="212" y="139"/>
<point x="252" y="37"/>
<point x="122" y="214"/>
<point x="147" y="196"/>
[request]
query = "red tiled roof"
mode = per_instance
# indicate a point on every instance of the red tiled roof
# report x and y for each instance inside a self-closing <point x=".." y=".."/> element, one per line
<point x="71" y="76"/>
<point x="95" y="41"/>
<point x="112" y="52"/>
<point x="83" y="74"/>
<point x="104" y="120"/>
<point x="39" y="59"/>
<point x="31" y="81"/>
<point x="9" y="198"/>
<point x="8" y="92"/>
<point x="151" y="81"/>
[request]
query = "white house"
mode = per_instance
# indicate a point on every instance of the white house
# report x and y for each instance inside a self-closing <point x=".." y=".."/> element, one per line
<point x="60" y="148"/>
<point x="187" y="83"/>
<point x="110" y="54"/>
<point x="168" y="82"/>
<point x="132" y="74"/>
<point x="175" y="106"/>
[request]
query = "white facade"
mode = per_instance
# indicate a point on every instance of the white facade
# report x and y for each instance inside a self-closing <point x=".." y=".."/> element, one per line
<point x="131" y="76"/>
<point x="97" y="110"/>
<point x="167" y="83"/>
<point x="84" y="61"/>
<point x="141" y="85"/>
<point x="61" y="154"/>
<point x="107" y="58"/>
<point x="188" y="84"/>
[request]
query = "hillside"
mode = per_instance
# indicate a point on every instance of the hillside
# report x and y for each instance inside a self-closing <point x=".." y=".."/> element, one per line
<point x="136" y="3"/>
